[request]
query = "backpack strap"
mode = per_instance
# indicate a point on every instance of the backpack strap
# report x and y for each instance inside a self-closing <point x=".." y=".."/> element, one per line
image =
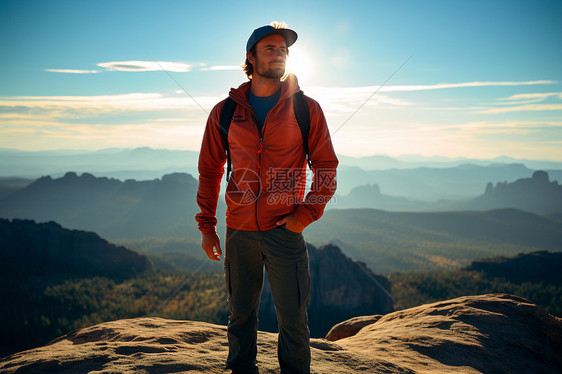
<point x="225" y="118"/>
<point x="302" y="113"/>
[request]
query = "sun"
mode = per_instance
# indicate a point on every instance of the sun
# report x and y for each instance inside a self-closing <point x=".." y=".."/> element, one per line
<point x="300" y="63"/>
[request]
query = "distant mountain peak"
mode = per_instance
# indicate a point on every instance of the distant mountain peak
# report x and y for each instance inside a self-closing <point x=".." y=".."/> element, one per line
<point x="178" y="177"/>
<point x="536" y="194"/>
<point x="366" y="190"/>
<point x="540" y="176"/>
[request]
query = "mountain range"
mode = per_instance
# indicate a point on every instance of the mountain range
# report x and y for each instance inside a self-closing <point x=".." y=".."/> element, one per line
<point x="386" y="241"/>
<point x="15" y="162"/>
<point x="460" y="182"/>
<point x="137" y="163"/>
<point x="59" y="198"/>
<point x="110" y="207"/>
<point x="413" y="177"/>
<point x="536" y="194"/>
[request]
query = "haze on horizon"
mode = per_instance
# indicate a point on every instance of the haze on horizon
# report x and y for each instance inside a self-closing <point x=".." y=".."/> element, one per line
<point x="483" y="81"/>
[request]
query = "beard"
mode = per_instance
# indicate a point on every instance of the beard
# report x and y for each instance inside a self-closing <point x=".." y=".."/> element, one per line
<point x="271" y="71"/>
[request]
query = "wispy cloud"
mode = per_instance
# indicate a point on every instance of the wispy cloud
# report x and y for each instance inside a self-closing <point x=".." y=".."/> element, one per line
<point x="528" y="102"/>
<point x="493" y="127"/>
<point x="74" y="71"/>
<point x="96" y="105"/>
<point x="440" y="86"/>
<point x="341" y="100"/>
<point x="534" y="96"/>
<point x="437" y="86"/>
<point x="138" y="66"/>
<point x="222" y="67"/>
<point x="335" y="100"/>
<point x="143" y="66"/>
<point x="57" y="135"/>
<point x="525" y="108"/>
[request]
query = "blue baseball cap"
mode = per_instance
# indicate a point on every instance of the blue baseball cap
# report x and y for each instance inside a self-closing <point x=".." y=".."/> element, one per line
<point x="260" y="33"/>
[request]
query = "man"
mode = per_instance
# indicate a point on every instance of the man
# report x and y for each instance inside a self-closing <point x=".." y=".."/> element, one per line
<point x="267" y="209"/>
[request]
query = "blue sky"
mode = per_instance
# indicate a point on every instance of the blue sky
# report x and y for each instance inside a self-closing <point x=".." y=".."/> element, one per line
<point x="483" y="78"/>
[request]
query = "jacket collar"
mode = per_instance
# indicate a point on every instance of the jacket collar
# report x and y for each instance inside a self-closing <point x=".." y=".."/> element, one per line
<point x="289" y="87"/>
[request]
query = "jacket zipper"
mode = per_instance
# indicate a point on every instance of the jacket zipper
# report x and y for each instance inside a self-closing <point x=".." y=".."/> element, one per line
<point x="260" y="149"/>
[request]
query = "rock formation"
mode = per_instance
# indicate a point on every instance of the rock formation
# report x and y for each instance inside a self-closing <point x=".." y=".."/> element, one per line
<point x="494" y="333"/>
<point x="48" y="248"/>
<point x="536" y="194"/>
<point x="370" y="196"/>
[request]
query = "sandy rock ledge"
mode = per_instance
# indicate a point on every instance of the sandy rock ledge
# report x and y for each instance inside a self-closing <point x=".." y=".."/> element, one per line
<point x="494" y="333"/>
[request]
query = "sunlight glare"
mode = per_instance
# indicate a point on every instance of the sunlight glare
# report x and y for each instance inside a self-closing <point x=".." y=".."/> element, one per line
<point x="300" y="63"/>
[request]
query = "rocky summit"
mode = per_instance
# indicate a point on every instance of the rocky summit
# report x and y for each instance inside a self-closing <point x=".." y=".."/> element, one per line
<point x="495" y="333"/>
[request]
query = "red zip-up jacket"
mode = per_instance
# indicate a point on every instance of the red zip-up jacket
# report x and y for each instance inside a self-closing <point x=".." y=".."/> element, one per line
<point x="268" y="179"/>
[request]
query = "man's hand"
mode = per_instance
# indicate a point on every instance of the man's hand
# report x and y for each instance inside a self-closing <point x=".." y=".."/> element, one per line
<point x="292" y="223"/>
<point x="211" y="243"/>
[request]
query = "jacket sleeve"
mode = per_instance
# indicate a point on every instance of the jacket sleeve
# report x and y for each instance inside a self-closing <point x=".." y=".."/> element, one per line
<point x="324" y="164"/>
<point x="212" y="158"/>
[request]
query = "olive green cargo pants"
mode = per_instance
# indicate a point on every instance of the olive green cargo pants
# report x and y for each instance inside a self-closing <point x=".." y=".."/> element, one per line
<point x="285" y="257"/>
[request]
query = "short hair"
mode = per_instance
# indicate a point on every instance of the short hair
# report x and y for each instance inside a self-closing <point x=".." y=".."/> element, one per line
<point x="247" y="66"/>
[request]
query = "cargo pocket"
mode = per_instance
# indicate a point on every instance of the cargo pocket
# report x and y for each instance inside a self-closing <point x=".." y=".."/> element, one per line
<point x="303" y="282"/>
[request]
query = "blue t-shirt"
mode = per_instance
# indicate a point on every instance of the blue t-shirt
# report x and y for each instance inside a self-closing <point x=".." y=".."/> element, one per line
<point x="261" y="105"/>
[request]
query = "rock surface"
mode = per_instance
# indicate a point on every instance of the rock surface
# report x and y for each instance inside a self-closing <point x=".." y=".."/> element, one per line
<point x="350" y="327"/>
<point x="495" y="333"/>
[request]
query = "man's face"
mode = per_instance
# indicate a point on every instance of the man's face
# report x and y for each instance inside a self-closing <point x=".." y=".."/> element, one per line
<point x="270" y="58"/>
